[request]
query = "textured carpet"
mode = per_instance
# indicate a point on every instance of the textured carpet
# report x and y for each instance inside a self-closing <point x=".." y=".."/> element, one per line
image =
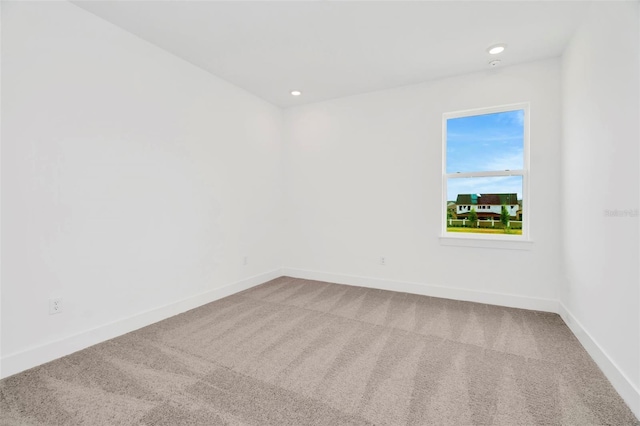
<point x="298" y="352"/>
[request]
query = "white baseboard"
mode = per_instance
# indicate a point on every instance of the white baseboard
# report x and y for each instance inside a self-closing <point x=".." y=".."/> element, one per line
<point x="501" y="299"/>
<point x="23" y="360"/>
<point x="621" y="383"/>
<point x="20" y="361"/>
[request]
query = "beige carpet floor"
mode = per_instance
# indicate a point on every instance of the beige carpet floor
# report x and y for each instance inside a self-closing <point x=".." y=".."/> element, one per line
<point x="298" y="352"/>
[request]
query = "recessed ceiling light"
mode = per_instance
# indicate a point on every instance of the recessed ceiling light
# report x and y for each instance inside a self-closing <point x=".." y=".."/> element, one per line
<point x="296" y="92"/>
<point x="495" y="49"/>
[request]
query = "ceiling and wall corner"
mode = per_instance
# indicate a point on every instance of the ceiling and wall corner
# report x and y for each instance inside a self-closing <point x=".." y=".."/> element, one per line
<point x="127" y="188"/>
<point x="335" y="49"/>
<point x="151" y="113"/>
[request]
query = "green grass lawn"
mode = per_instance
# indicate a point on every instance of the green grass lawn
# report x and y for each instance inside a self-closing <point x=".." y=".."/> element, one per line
<point x="485" y="231"/>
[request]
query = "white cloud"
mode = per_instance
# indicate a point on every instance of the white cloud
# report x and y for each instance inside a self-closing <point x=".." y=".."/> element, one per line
<point x="510" y="161"/>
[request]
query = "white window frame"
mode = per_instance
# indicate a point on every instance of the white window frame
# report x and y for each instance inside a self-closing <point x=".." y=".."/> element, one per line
<point x="489" y="240"/>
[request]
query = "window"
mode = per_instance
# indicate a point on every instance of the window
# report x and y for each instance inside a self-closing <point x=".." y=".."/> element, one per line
<point x="485" y="169"/>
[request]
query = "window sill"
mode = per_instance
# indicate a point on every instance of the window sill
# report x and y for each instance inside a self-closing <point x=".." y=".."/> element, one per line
<point x="484" y="242"/>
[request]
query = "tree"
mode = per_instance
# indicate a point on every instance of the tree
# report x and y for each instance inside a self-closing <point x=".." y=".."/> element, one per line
<point x="473" y="217"/>
<point x="504" y="217"/>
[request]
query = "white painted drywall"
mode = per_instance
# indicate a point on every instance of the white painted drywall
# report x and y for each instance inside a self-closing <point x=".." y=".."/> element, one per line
<point x="601" y="112"/>
<point x="130" y="178"/>
<point x="363" y="180"/>
<point x="133" y="185"/>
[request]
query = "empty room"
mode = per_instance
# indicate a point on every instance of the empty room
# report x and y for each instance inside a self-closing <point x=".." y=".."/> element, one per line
<point x="320" y="213"/>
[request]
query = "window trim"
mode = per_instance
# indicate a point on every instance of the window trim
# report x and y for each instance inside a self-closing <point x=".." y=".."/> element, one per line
<point x="448" y="238"/>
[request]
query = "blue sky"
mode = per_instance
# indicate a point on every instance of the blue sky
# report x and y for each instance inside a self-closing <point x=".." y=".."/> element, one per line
<point x="485" y="143"/>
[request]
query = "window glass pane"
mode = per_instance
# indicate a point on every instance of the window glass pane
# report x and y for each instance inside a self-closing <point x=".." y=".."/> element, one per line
<point x="488" y="142"/>
<point x="466" y="195"/>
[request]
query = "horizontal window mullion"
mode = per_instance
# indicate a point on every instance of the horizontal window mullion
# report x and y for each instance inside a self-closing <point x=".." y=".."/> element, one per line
<point x="486" y="174"/>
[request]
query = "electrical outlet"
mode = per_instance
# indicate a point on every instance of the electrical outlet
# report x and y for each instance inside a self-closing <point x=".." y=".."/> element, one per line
<point x="245" y="261"/>
<point x="55" y="305"/>
<point x="383" y="260"/>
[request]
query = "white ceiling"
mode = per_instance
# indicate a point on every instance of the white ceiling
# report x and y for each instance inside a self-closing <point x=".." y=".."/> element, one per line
<point x="334" y="49"/>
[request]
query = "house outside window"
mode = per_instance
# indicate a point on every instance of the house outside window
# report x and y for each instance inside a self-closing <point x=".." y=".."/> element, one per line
<point x="486" y="173"/>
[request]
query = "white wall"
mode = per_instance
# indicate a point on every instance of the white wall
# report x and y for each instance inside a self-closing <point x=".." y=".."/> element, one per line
<point x="130" y="180"/>
<point x="601" y="298"/>
<point x="364" y="181"/>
